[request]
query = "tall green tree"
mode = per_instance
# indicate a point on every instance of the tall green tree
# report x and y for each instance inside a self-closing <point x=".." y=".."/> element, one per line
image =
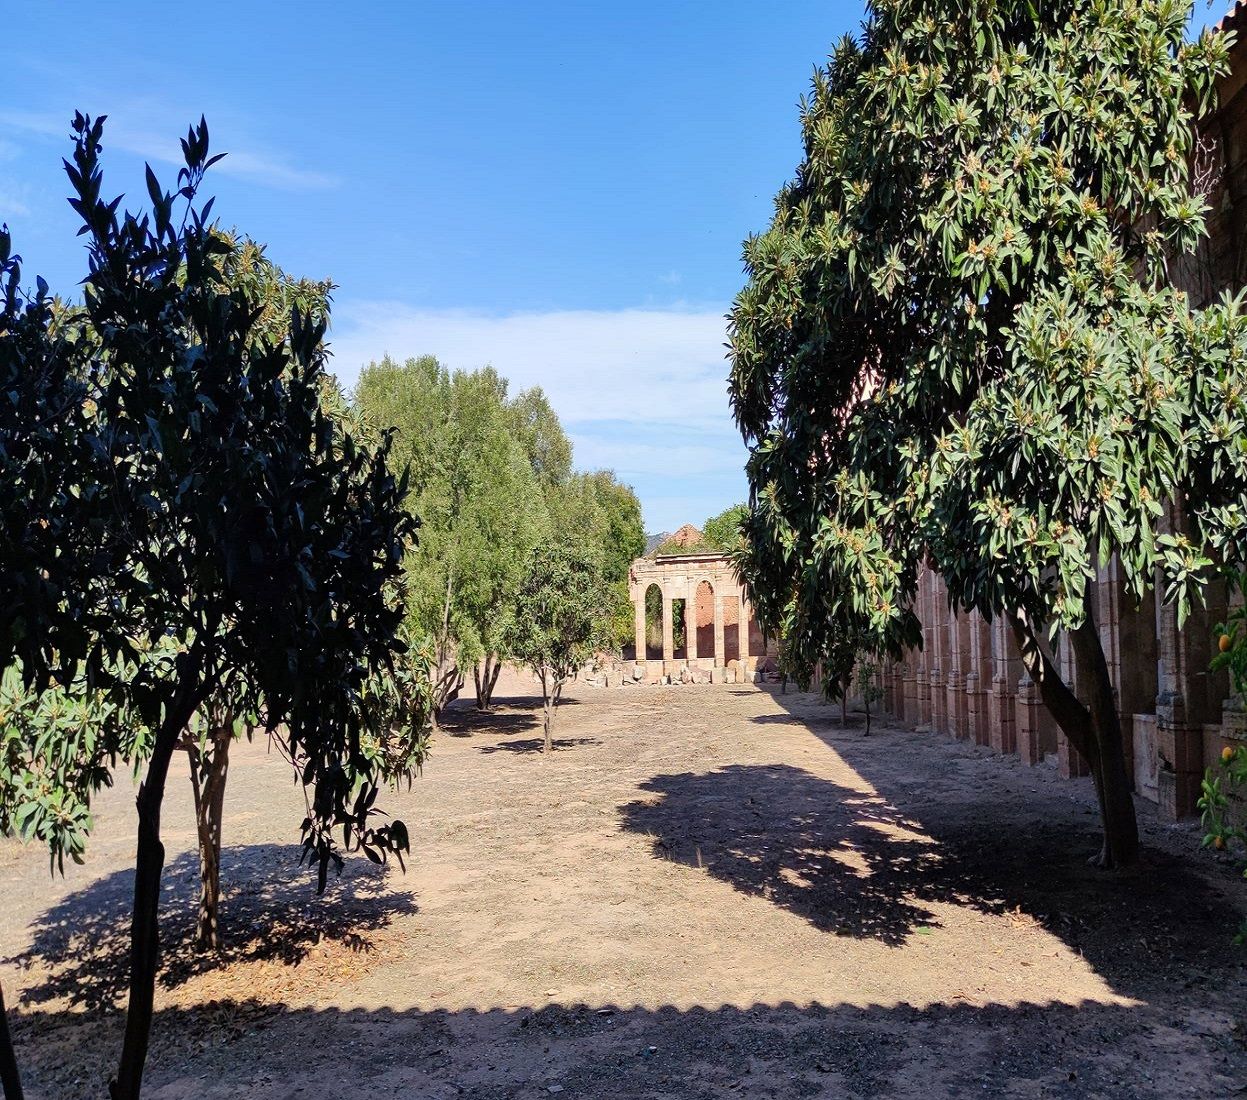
<point x="561" y="618"/>
<point x="726" y="530"/>
<point x="604" y="515"/>
<point x="228" y="513"/>
<point x="541" y="435"/>
<point x="957" y="343"/>
<point x="481" y="505"/>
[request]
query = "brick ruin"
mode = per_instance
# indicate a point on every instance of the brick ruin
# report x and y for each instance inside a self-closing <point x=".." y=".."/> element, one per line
<point x="721" y="643"/>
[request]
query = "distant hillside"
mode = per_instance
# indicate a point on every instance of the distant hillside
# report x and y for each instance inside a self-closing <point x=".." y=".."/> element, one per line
<point x="686" y="538"/>
<point x="653" y="542"/>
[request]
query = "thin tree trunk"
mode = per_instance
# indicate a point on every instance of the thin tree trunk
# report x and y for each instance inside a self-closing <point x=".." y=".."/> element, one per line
<point x="1108" y="765"/>
<point x="1094" y="731"/>
<point x="9" y="1077"/>
<point x="486" y="676"/>
<point x="148" y="866"/>
<point x="548" y="711"/>
<point x="208" y="777"/>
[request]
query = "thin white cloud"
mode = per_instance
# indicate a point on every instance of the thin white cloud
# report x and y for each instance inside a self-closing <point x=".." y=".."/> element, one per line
<point x="640" y="457"/>
<point x="159" y="143"/>
<point x="11" y="206"/>
<point x="637" y="365"/>
<point x="640" y="391"/>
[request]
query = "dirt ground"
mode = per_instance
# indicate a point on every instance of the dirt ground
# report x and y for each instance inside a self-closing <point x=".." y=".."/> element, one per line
<point x="705" y="892"/>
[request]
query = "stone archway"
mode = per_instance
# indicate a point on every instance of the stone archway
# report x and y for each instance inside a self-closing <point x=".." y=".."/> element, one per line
<point x="653" y="612"/>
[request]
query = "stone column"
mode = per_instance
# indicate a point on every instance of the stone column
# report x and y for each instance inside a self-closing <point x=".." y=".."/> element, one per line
<point x="638" y="608"/>
<point x="1190" y="696"/>
<point x="1128" y="634"/>
<point x="690" y="622"/>
<point x="958" y="666"/>
<point x="939" y="643"/>
<point x="909" y="674"/>
<point x="719" y="653"/>
<point x="1070" y="762"/>
<point x="1006" y="664"/>
<point x="976" y="679"/>
<point x="922" y="658"/>
<point x="1036" y="728"/>
<point x="668" y="627"/>
<point x="742" y="629"/>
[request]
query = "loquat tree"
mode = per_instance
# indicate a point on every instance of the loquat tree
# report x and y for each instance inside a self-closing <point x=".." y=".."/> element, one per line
<point x="958" y="343"/>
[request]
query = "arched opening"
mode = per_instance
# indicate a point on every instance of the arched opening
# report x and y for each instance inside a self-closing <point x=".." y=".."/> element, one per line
<point x="653" y="623"/>
<point x="679" y="630"/>
<point x="731" y="628"/>
<point x="703" y="617"/>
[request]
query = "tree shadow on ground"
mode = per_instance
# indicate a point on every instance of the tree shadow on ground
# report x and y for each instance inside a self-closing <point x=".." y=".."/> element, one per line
<point x="510" y="715"/>
<point x="852" y="863"/>
<point x="269" y="912"/>
<point x="250" y="1047"/>
<point x="537" y="744"/>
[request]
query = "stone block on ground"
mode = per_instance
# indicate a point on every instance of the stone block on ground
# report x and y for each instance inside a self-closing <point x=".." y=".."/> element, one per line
<point x="716" y="675"/>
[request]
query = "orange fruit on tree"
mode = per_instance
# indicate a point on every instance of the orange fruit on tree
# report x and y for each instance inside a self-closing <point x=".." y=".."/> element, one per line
<point x="1225" y="642"/>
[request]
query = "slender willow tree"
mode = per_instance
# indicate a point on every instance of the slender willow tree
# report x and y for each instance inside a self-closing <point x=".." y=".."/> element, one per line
<point x="478" y="467"/>
<point x="957" y="343"/>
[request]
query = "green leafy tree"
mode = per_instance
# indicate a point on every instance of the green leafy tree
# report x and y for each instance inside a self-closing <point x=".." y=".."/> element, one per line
<point x="866" y="674"/>
<point x="1224" y="795"/>
<point x="597" y="509"/>
<point x="258" y="534"/>
<point x="481" y="504"/>
<point x="957" y="343"/>
<point x="560" y="618"/>
<point x="92" y="732"/>
<point x="725" y="531"/>
<point x="537" y="426"/>
<point x="57" y="560"/>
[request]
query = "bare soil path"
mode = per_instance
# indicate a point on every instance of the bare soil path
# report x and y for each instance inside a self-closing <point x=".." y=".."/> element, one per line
<point x="706" y="892"/>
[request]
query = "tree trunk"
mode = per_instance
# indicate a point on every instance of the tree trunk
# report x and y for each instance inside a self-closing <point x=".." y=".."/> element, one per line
<point x="9" y="1076"/>
<point x="1093" y="730"/>
<point x="547" y="704"/>
<point x="148" y="866"/>
<point x="209" y="772"/>
<point x="486" y="676"/>
<point x="1108" y="760"/>
<point x="447" y="682"/>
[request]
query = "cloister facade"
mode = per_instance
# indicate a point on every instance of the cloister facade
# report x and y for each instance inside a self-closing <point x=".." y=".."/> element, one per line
<point x="702" y="591"/>
<point x="968" y="681"/>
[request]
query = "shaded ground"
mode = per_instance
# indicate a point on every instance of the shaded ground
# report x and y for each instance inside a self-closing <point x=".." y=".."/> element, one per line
<point x="707" y="892"/>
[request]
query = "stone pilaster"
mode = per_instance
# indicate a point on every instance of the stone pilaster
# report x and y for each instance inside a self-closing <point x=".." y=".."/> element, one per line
<point x="1006" y="666"/>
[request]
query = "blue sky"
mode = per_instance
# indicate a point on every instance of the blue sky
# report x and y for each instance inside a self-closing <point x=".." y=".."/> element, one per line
<point x="559" y="189"/>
